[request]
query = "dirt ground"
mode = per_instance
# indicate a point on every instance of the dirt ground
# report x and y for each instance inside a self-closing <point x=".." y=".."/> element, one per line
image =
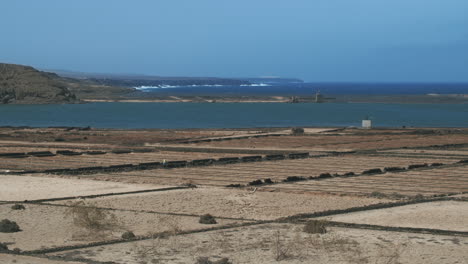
<point x="277" y="171"/>
<point x="433" y="181"/>
<point x="250" y="224"/>
<point x="17" y="259"/>
<point x="224" y="202"/>
<point x="111" y="136"/>
<point x="20" y="188"/>
<point x="46" y="226"/>
<point x="447" y="215"/>
<point x="108" y="159"/>
<point x="286" y="243"/>
<point x="334" y="142"/>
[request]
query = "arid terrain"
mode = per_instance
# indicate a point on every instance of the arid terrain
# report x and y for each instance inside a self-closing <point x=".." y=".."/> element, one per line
<point x="263" y="195"/>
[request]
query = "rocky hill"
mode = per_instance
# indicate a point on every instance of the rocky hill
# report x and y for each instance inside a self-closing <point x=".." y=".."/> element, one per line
<point x="24" y="84"/>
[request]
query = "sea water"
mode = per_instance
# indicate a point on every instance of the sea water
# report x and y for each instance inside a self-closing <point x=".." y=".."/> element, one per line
<point x="233" y="115"/>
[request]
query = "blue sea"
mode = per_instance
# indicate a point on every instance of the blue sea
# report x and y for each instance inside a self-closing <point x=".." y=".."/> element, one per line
<point x="233" y="115"/>
<point x="304" y="89"/>
<point x="240" y="115"/>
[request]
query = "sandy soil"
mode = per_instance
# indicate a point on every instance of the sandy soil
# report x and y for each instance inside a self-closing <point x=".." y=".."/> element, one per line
<point x="233" y="203"/>
<point x="64" y="161"/>
<point x="341" y="142"/>
<point x="34" y="144"/>
<point x="449" y="215"/>
<point x="277" y="171"/>
<point x="461" y="195"/>
<point x="260" y="244"/>
<point x="16" y="259"/>
<point x="20" y="188"/>
<point x="437" y="180"/>
<point x="100" y="137"/>
<point x="454" y="152"/>
<point x="51" y="226"/>
<point x="47" y="226"/>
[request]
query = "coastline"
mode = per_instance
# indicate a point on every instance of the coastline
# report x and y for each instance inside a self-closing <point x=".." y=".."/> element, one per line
<point x="180" y="101"/>
<point x="383" y="99"/>
<point x="324" y="99"/>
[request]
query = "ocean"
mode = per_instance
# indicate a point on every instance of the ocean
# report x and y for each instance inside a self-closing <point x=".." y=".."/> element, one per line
<point x="307" y="89"/>
<point x="233" y="115"/>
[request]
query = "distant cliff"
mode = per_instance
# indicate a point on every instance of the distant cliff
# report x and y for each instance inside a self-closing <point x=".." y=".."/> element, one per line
<point x="171" y="81"/>
<point x="26" y="85"/>
<point x="273" y="80"/>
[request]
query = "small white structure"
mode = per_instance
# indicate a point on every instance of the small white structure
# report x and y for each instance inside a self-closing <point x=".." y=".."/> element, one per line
<point x="366" y="123"/>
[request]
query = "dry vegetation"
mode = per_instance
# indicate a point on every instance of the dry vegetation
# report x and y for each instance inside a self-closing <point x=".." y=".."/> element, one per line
<point x="91" y="220"/>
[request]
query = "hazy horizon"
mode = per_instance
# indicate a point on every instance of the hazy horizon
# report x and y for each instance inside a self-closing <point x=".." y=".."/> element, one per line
<point x="372" y="41"/>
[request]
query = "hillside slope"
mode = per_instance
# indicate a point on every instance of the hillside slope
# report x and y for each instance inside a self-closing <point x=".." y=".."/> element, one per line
<point x="21" y="84"/>
<point x="26" y="85"/>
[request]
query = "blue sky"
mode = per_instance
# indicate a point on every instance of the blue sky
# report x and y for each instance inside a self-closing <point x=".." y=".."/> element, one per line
<point x="317" y="40"/>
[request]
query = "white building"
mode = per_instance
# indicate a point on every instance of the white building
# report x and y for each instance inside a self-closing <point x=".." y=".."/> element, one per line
<point x="366" y="123"/>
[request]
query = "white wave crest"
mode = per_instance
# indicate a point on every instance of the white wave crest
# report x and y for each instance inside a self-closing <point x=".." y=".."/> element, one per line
<point x="143" y="87"/>
<point x="256" y="84"/>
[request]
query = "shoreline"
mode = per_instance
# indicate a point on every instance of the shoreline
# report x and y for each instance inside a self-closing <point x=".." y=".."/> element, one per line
<point x="378" y="99"/>
<point x="341" y="98"/>
<point x="177" y="101"/>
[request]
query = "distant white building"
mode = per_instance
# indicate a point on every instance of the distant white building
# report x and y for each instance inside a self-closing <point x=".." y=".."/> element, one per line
<point x="366" y="123"/>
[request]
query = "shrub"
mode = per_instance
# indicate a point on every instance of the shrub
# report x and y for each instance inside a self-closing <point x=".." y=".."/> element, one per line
<point x="268" y="181"/>
<point x="396" y="195"/>
<point x="92" y="218"/>
<point x="378" y="195"/>
<point x="223" y="261"/>
<point x="349" y="174"/>
<point x="7" y="226"/>
<point x="424" y="132"/>
<point x="315" y="227"/>
<point x="394" y="169"/>
<point x="203" y="260"/>
<point x="128" y="235"/>
<point x="393" y="195"/>
<point x="59" y="140"/>
<point x="436" y="164"/>
<point x="294" y="178"/>
<point x="207" y="219"/>
<point x="372" y="171"/>
<point x="463" y="161"/>
<point x="297" y="130"/>
<point x="235" y="185"/>
<point x="18" y="207"/>
<point x="256" y="182"/>
<point x="281" y="250"/>
<point x="3" y="247"/>
<point x="325" y="175"/>
<point x="206" y="260"/>
<point x="190" y="185"/>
